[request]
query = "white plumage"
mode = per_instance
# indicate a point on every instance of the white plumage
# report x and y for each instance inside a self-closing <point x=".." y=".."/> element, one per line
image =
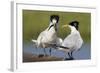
<point x="73" y="41"/>
<point x="46" y="37"/>
<point x="49" y="35"/>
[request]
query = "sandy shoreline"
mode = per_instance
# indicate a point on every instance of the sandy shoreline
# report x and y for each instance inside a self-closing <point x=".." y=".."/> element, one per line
<point x="34" y="58"/>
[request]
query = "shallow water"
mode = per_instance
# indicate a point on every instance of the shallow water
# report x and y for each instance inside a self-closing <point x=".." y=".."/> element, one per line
<point x="83" y="53"/>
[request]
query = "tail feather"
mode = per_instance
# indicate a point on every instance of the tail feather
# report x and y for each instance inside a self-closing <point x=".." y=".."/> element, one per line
<point x="58" y="46"/>
<point x="34" y="41"/>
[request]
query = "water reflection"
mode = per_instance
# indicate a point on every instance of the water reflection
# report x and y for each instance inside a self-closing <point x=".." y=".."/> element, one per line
<point x="83" y="53"/>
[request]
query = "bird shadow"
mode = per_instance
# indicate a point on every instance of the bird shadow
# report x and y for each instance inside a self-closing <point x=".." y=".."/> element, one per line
<point x="69" y="59"/>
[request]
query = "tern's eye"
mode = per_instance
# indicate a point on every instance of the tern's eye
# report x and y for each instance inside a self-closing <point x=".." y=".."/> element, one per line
<point x="75" y="24"/>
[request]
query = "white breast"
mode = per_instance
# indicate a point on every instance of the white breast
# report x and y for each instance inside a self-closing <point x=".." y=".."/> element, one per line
<point x="73" y="41"/>
<point x="47" y="36"/>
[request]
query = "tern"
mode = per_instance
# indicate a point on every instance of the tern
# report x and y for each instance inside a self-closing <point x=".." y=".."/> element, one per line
<point x="72" y="42"/>
<point x="49" y="35"/>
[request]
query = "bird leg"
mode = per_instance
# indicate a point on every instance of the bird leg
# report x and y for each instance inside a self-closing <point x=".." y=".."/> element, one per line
<point x="37" y="50"/>
<point x="42" y="55"/>
<point x="70" y="57"/>
<point x="50" y="51"/>
<point x="65" y="57"/>
<point x="70" y="54"/>
<point x="44" y="52"/>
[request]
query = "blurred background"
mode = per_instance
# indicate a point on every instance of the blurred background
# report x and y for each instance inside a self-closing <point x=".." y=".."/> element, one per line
<point x="34" y="22"/>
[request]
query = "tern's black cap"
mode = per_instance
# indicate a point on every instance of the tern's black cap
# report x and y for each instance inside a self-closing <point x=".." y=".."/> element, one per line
<point x="75" y="24"/>
<point x="54" y="17"/>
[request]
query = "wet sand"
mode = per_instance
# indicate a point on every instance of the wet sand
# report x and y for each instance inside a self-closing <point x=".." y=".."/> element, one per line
<point x="34" y="58"/>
